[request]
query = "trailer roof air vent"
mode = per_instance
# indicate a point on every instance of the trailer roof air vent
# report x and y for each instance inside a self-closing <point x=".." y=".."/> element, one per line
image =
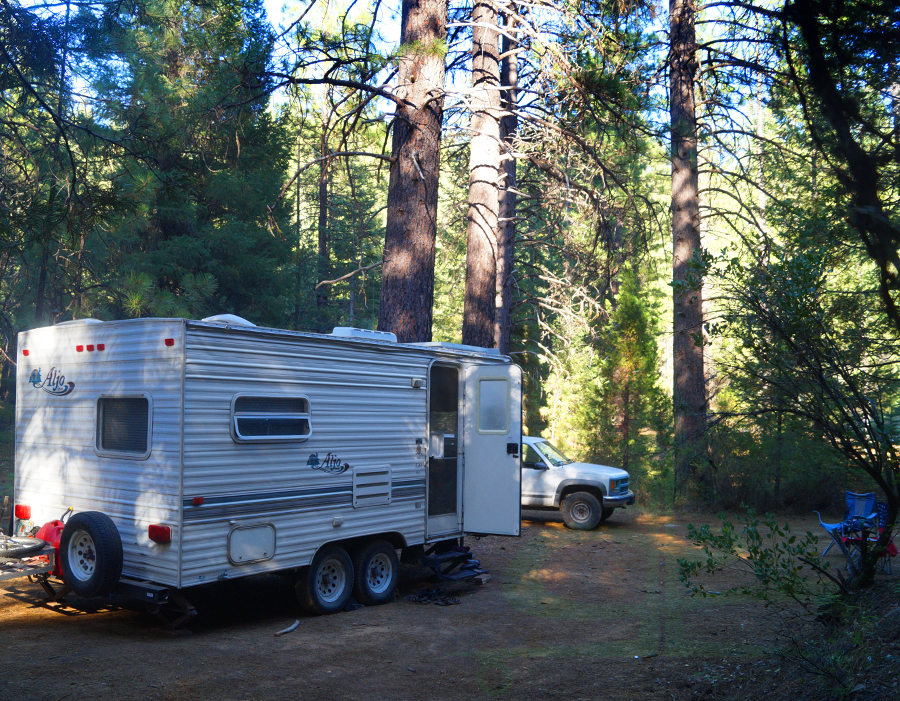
<point x="231" y="319"/>
<point x="455" y="347"/>
<point x="350" y="332"/>
<point x="79" y="322"/>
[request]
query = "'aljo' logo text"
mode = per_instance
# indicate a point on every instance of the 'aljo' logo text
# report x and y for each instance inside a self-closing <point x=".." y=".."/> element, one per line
<point x="331" y="464"/>
<point x="55" y="382"/>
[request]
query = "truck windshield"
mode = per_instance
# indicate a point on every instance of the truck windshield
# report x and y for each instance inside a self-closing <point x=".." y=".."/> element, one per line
<point x="553" y="454"/>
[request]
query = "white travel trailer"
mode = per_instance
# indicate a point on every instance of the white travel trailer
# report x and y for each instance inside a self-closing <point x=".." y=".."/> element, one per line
<point x="185" y="452"/>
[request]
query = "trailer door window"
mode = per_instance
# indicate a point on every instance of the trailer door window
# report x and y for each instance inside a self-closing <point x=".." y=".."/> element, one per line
<point x="493" y="405"/>
<point x="258" y="418"/>
<point x="123" y="426"/>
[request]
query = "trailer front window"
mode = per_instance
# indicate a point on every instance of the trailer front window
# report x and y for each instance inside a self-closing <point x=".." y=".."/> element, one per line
<point x="123" y="426"/>
<point x="257" y="418"/>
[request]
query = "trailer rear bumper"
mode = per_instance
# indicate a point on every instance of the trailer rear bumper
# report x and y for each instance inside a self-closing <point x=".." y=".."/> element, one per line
<point x="143" y="591"/>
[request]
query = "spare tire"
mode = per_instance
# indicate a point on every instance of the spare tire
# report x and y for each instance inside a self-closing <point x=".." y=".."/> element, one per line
<point x="90" y="554"/>
<point x="19" y="547"/>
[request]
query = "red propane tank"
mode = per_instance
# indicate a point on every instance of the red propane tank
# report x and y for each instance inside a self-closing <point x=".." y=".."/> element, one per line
<point x="51" y="532"/>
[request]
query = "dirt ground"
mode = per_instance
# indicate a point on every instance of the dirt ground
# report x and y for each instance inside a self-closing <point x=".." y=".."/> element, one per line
<point x="566" y="615"/>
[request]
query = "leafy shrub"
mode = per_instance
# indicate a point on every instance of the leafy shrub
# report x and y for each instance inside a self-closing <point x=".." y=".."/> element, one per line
<point x="783" y="567"/>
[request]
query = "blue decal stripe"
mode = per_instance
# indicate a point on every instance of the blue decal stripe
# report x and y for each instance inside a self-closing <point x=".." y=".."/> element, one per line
<point x="273" y="503"/>
<point x="408" y="489"/>
<point x="266" y="503"/>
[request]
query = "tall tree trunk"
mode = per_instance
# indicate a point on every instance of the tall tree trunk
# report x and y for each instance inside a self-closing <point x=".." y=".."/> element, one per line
<point x="625" y="427"/>
<point x="760" y="178"/>
<point x="407" y="282"/>
<point x="895" y="108"/>
<point x="484" y="165"/>
<point x="506" y="226"/>
<point x="299" y="264"/>
<point x="779" y="452"/>
<point x="689" y="388"/>
<point x="322" y="228"/>
<point x="41" y="294"/>
<point x="56" y="159"/>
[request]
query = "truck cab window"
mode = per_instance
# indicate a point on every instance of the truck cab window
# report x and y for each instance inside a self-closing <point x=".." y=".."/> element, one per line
<point x="531" y="457"/>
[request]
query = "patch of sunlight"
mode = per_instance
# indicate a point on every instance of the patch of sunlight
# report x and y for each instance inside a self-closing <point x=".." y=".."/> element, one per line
<point x="546" y="575"/>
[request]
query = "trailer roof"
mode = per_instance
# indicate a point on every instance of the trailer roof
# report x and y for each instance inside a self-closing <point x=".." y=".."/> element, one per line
<point x="438" y="348"/>
<point x="236" y="324"/>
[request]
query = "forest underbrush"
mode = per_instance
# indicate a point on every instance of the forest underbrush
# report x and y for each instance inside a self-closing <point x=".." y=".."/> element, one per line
<point x="850" y="651"/>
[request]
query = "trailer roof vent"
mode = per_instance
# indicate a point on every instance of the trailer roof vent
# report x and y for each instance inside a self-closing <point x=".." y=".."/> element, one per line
<point x="455" y="347"/>
<point x="231" y="319"/>
<point x="350" y="332"/>
<point x="79" y="322"/>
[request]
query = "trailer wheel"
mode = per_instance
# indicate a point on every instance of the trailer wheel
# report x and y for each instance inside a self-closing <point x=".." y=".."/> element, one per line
<point x="325" y="586"/>
<point x="19" y="547"/>
<point x="90" y="554"/>
<point x="377" y="568"/>
<point x="581" y="511"/>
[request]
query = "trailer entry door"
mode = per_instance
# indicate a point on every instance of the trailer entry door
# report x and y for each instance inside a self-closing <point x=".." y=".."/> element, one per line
<point x="443" y="451"/>
<point x="492" y="437"/>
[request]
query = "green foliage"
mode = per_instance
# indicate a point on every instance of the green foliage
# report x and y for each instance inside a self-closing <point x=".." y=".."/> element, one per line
<point x="437" y="47"/>
<point x="603" y="399"/>
<point x="772" y="564"/>
<point x="630" y="408"/>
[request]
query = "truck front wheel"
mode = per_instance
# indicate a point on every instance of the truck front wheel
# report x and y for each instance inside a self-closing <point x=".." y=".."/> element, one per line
<point x="581" y="511"/>
<point x="90" y="552"/>
<point x="606" y="514"/>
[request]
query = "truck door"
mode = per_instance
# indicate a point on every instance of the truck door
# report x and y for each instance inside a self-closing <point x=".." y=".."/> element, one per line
<point x="492" y="436"/>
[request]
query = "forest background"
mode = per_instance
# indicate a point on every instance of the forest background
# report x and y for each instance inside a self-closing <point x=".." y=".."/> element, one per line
<point x="687" y="235"/>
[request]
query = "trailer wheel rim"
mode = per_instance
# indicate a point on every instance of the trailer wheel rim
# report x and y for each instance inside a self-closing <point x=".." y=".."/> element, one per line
<point x="82" y="555"/>
<point x="580" y="512"/>
<point x="331" y="580"/>
<point x="379" y="574"/>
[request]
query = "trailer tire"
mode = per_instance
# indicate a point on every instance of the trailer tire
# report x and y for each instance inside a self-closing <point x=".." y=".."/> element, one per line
<point x="377" y="568"/>
<point x="19" y="547"/>
<point x="581" y="511"/>
<point x="326" y="585"/>
<point x="90" y="554"/>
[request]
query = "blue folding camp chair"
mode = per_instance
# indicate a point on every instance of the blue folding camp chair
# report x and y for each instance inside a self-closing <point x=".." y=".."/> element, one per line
<point x="863" y="535"/>
<point x="858" y="506"/>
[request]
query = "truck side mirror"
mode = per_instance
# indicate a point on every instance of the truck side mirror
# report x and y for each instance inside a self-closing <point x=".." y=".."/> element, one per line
<point x="541" y="465"/>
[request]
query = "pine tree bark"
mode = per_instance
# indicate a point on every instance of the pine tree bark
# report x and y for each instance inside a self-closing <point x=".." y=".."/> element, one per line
<point x="689" y="391"/>
<point x="323" y="258"/>
<point x="506" y="226"/>
<point x="484" y="165"/>
<point x="407" y="283"/>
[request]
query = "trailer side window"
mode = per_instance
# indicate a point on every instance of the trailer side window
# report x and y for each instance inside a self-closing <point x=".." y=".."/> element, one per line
<point x="259" y="418"/>
<point x="123" y="426"/>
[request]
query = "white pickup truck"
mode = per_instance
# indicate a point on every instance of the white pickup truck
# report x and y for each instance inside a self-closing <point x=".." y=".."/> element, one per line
<point x="586" y="494"/>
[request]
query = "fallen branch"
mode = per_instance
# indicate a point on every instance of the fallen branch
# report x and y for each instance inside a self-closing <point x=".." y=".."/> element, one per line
<point x="349" y="275"/>
<point x="288" y="629"/>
